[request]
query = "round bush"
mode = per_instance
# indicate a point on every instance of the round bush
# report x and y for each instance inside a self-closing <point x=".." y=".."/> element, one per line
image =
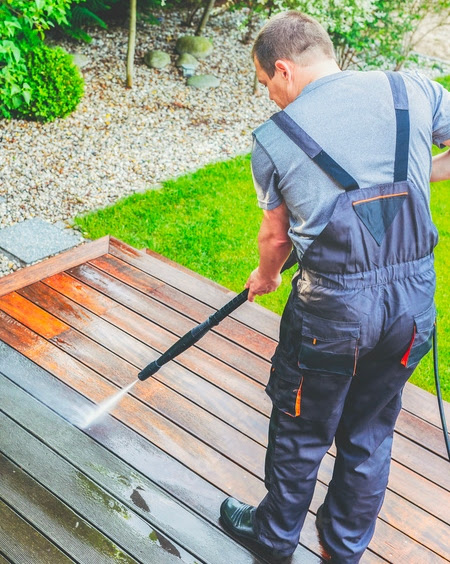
<point x="56" y="84"/>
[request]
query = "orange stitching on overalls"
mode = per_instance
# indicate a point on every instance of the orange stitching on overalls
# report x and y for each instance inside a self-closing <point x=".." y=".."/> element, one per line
<point x="298" y="400"/>
<point x="356" y="360"/>
<point x="379" y="198"/>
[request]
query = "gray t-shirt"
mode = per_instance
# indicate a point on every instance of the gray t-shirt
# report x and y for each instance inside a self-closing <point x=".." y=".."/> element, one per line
<point x="351" y="116"/>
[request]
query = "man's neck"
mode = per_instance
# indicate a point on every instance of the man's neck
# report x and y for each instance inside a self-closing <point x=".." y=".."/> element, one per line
<point x="308" y="74"/>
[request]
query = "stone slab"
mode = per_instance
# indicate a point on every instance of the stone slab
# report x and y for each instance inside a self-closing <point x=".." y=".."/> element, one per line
<point x="35" y="239"/>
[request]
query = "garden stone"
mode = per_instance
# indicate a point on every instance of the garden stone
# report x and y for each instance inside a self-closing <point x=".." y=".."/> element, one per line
<point x="203" y="81"/>
<point x="156" y="59"/>
<point x="187" y="60"/>
<point x="80" y="60"/>
<point x="34" y="239"/>
<point x="198" y="47"/>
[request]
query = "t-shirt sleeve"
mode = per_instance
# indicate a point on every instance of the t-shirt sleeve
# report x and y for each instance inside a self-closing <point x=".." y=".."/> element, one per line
<point x="440" y="98"/>
<point x="265" y="178"/>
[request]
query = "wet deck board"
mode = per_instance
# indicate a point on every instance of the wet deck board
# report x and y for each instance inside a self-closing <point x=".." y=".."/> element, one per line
<point x="80" y="330"/>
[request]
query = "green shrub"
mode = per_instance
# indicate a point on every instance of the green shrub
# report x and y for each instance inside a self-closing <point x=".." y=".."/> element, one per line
<point x="55" y="85"/>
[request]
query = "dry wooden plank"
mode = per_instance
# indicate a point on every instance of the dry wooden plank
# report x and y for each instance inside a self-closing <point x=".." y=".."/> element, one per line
<point x="55" y="520"/>
<point x="218" y="373"/>
<point x="420" y="491"/>
<point x="50" y="266"/>
<point x="22" y="544"/>
<point x="182" y="303"/>
<point x="212" y="343"/>
<point x="422" y="432"/>
<point x="423" y="404"/>
<point x="204" y="460"/>
<point x="421" y="461"/>
<point x="252" y="315"/>
<point x="86" y="497"/>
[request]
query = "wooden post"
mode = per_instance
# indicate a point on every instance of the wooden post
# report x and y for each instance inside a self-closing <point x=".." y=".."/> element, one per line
<point x="131" y="43"/>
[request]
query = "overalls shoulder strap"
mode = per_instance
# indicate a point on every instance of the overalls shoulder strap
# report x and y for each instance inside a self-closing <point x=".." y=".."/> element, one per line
<point x="314" y="151"/>
<point x="299" y="136"/>
<point x="401" y="107"/>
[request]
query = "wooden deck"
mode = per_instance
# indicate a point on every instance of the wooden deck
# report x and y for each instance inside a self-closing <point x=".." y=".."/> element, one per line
<point x="145" y="484"/>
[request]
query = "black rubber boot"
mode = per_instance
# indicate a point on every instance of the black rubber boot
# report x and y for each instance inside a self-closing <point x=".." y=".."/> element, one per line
<point x="238" y="519"/>
<point x="319" y="525"/>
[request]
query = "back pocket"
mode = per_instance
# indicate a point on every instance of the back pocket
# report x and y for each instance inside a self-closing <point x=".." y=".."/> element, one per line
<point x="422" y="339"/>
<point x="329" y="346"/>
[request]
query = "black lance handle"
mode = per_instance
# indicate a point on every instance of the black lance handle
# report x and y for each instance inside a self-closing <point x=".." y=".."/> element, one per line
<point x="195" y="334"/>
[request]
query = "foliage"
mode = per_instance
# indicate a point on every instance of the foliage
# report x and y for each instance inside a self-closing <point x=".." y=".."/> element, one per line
<point x="23" y="24"/>
<point x="55" y="84"/>
<point x="184" y="222"/>
<point x="444" y="80"/>
<point x="369" y="33"/>
<point x="91" y="12"/>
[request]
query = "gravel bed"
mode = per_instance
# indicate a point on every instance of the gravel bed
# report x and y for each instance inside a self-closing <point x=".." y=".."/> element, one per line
<point x="121" y="141"/>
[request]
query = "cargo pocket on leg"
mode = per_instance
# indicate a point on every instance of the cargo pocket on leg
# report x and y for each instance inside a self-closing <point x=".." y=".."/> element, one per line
<point x="327" y="359"/>
<point x="422" y="338"/>
<point x="285" y="394"/>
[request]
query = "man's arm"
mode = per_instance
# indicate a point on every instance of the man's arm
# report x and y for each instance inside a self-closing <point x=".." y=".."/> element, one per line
<point x="440" y="168"/>
<point x="274" y="248"/>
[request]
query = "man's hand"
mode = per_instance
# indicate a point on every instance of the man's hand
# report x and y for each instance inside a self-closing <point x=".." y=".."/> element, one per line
<point x="258" y="285"/>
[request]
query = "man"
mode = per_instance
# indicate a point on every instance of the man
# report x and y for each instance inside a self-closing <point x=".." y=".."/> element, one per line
<point x="343" y="175"/>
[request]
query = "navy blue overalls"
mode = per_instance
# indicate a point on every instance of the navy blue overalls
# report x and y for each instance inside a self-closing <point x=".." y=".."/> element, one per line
<point x="359" y="318"/>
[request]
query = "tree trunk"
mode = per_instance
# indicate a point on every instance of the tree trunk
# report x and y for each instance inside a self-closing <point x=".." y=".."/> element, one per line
<point x="131" y="43"/>
<point x="205" y="17"/>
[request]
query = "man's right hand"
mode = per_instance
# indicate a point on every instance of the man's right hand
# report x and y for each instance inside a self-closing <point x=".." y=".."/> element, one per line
<point x="258" y="285"/>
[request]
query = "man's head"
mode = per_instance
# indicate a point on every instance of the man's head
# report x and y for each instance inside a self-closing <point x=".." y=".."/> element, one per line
<point x="290" y="51"/>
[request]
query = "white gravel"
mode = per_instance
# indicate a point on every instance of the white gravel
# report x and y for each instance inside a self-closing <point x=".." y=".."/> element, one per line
<point x="120" y="140"/>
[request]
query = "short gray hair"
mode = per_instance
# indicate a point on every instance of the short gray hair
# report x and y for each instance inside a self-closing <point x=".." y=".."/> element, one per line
<point x="293" y="36"/>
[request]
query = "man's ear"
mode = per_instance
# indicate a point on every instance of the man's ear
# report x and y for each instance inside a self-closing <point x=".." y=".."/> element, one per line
<point x="283" y="67"/>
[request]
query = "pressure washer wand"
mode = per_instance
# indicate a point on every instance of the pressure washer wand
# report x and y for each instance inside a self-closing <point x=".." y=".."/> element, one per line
<point x="195" y="334"/>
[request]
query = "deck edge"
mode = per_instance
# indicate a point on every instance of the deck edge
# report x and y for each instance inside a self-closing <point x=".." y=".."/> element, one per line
<point x="58" y="263"/>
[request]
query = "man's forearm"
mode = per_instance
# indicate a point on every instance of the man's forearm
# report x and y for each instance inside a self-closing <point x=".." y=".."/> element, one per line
<point x="440" y="169"/>
<point x="273" y="253"/>
<point x="274" y="248"/>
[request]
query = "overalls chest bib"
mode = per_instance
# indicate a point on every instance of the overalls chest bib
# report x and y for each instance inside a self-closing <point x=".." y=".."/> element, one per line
<point x="372" y="230"/>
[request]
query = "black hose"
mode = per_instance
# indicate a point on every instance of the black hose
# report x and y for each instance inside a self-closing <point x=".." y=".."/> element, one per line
<point x="438" y="390"/>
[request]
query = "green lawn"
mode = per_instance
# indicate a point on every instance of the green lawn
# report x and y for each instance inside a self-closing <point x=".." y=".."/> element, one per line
<point x="209" y="220"/>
